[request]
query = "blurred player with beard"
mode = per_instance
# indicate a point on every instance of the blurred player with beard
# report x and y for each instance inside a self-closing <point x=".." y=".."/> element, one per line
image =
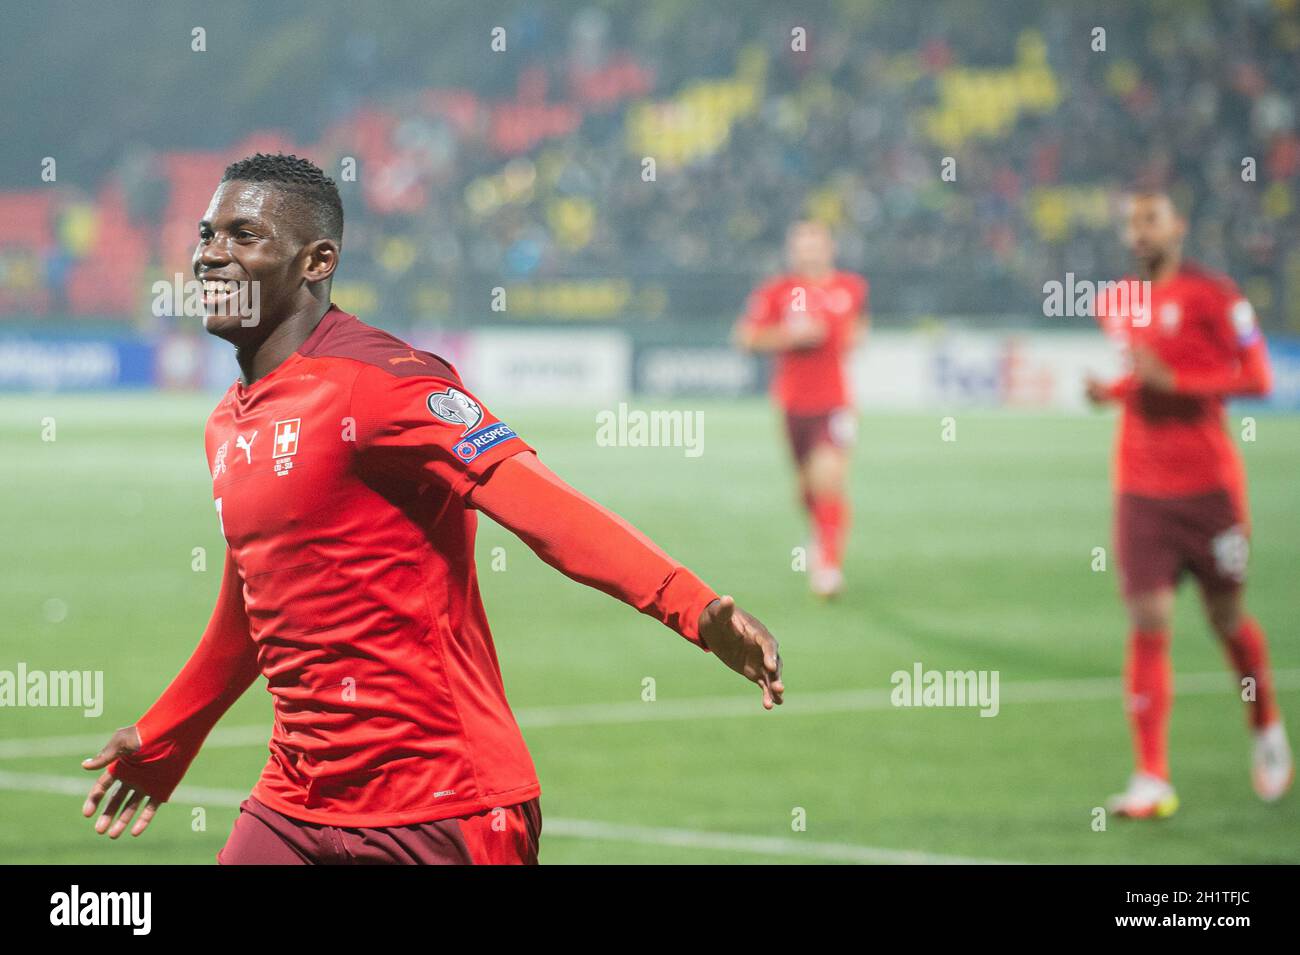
<point x="810" y="319"/>
<point x="1180" y="491"/>
<point x="348" y="469"/>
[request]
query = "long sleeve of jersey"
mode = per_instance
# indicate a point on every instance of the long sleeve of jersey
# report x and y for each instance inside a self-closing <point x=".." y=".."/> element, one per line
<point x="222" y="667"/>
<point x="591" y="544"/>
<point x="1249" y="375"/>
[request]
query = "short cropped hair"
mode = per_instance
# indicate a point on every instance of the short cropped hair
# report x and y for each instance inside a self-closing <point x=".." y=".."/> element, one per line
<point x="300" y="178"/>
<point x="1178" y="194"/>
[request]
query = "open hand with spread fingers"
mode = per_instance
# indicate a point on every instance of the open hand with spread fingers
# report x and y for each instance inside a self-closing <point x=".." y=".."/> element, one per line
<point x="741" y="641"/>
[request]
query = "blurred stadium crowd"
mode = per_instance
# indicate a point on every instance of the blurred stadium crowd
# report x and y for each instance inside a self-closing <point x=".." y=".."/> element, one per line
<point x="526" y="168"/>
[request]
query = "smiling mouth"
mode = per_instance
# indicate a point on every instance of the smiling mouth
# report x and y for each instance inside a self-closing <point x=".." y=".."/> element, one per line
<point x="221" y="291"/>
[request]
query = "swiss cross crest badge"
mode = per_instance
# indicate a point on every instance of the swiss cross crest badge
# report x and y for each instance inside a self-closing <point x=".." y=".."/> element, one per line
<point x="1171" y="314"/>
<point x="284" y="444"/>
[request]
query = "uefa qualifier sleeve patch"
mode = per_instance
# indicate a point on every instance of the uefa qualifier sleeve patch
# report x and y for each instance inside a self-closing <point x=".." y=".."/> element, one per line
<point x="459" y="408"/>
<point x="455" y="407"/>
<point x="427" y="429"/>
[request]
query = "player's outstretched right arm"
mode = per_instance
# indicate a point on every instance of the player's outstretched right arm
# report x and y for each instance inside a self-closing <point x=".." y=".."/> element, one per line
<point x="150" y="757"/>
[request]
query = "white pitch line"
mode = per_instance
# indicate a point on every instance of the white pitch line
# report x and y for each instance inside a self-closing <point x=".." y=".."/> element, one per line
<point x="757" y="845"/>
<point x="834" y="701"/>
<point x="75" y="786"/>
<point x="577" y="829"/>
<point x="1080" y="690"/>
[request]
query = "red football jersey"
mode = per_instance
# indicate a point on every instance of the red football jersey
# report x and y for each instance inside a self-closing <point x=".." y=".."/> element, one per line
<point x="811" y="380"/>
<point x="344" y="480"/>
<point x="1177" y="444"/>
<point x="338" y="479"/>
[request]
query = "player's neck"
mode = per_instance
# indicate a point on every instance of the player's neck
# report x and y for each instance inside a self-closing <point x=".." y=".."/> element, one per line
<point x="1165" y="269"/>
<point x="259" y="359"/>
<point x="817" y="277"/>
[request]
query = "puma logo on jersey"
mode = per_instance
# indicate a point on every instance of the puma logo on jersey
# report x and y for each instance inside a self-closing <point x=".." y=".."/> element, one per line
<point x="246" y="446"/>
<point x="411" y="357"/>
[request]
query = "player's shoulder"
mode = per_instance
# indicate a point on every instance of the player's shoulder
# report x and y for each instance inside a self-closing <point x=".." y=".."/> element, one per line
<point x="852" y="280"/>
<point x="1220" y="299"/>
<point x="774" y="285"/>
<point x="1208" y="281"/>
<point x="344" y="337"/>
<point x="1111" y="289"/>
<point x="856" y="285"/>
<point x="764" y="299"/>
<point x="1115" y="300"/>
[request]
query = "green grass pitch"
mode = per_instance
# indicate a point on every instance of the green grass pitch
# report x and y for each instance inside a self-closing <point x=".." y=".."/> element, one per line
<point x="973" y="554"/>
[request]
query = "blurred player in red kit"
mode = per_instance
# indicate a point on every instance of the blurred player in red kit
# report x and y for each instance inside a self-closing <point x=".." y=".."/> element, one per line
<point x="1180" y="490"/>
<point x="347" y="471"/>
<point x="810" y="319"/>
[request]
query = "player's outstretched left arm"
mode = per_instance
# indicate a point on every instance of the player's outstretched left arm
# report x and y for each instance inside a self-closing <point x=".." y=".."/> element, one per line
<point x="596" y="547"/>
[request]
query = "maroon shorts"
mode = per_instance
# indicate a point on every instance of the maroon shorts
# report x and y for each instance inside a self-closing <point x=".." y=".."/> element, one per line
<point x="806" y="431"/>
<point x="504" y="836"/>
<point x="1157" y="539"/>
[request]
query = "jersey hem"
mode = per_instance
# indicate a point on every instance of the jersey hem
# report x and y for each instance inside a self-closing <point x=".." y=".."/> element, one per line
<point x="451" y="810"/>
<point x="819" y="411"/>
<point x="1165" y="495"/>
<point x="1236" y="497"/>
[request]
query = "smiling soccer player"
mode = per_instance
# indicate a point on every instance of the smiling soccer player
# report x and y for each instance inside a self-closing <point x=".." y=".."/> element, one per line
<point x="347" y="470"/>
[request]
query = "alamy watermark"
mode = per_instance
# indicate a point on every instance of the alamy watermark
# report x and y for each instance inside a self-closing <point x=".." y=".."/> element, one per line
<point x="1084" y="298"/>
<point x="946" y="688"/>
<point x="634" y="428"/>
<point x="197" y="298"/>
<point x="82" y="689"/>
<point x="131" y="909"/>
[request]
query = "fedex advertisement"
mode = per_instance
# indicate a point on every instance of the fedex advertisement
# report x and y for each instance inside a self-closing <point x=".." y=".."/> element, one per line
<point x="999" y="369"/>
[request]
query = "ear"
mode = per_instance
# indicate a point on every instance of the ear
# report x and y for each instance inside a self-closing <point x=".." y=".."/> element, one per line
<point x="321" y="259"/>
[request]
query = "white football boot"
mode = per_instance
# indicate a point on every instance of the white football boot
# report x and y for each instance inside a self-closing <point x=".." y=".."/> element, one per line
<point x="1272" y="769"/>
<point x="1147" y="797"/>
<point x="827" y="582"/>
